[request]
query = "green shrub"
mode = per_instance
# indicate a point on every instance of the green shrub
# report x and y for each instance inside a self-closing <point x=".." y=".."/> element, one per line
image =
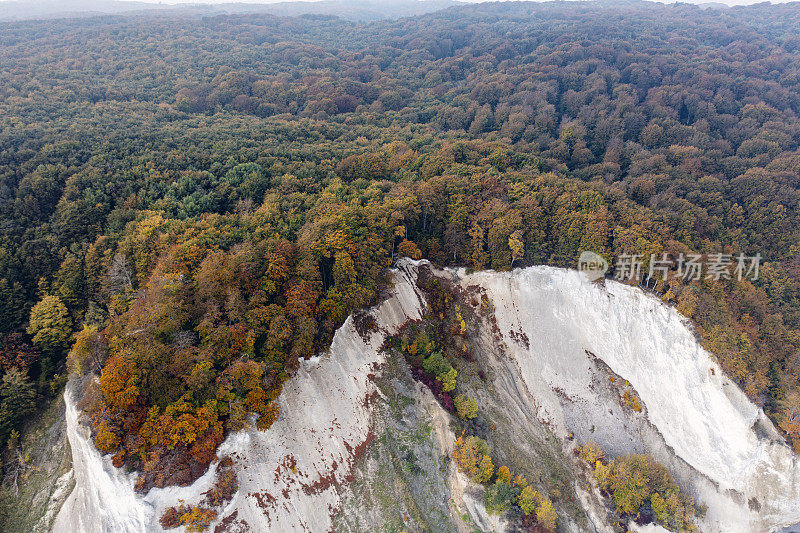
<point x="466" y="406"/>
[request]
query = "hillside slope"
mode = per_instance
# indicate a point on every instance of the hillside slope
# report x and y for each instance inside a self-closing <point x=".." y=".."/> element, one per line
<point x="354" y="428"/>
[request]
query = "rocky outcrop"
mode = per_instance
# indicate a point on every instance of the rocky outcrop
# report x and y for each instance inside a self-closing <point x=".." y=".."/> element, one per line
<point x="565" y="340"/>
<point x="360" y="445"/>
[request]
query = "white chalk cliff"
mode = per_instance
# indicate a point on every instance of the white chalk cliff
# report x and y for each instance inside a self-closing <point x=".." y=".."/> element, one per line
<point x="737" y="463"/>
<point x="562" y="337"/>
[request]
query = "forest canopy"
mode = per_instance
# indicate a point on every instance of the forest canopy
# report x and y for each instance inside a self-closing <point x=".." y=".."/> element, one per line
<point x="192" y="204"/>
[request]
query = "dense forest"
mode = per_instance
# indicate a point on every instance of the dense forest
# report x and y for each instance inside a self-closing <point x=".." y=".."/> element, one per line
<point x="190" y="205"/>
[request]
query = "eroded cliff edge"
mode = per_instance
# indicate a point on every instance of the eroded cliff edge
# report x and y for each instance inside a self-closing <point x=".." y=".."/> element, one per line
<point x="360" y="444"/>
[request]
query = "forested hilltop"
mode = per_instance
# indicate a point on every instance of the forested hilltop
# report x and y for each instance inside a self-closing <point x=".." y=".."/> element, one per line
<point x="190" y="205"/>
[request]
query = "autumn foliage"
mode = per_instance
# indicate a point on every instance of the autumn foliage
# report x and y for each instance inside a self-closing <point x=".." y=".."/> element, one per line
<point x="199" y="516"/>
<point x="244" y="204"/>
<point x="641" y="489"/>
<point x="503" y="489"/>
<point x="471" y="454"/>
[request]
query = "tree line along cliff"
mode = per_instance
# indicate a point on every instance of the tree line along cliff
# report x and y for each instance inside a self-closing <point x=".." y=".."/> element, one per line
<point x="190" y="205"/>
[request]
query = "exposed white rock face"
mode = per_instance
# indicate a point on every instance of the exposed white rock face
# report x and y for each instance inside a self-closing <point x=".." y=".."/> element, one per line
<point x="561" y="339"/>
<point x="288" y="475"/>
<point x="750" y="483"/>
<point x="103" y="498"/>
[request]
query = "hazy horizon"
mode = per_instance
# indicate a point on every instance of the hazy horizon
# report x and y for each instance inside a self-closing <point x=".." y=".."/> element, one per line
<point x="264" y="2"/>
